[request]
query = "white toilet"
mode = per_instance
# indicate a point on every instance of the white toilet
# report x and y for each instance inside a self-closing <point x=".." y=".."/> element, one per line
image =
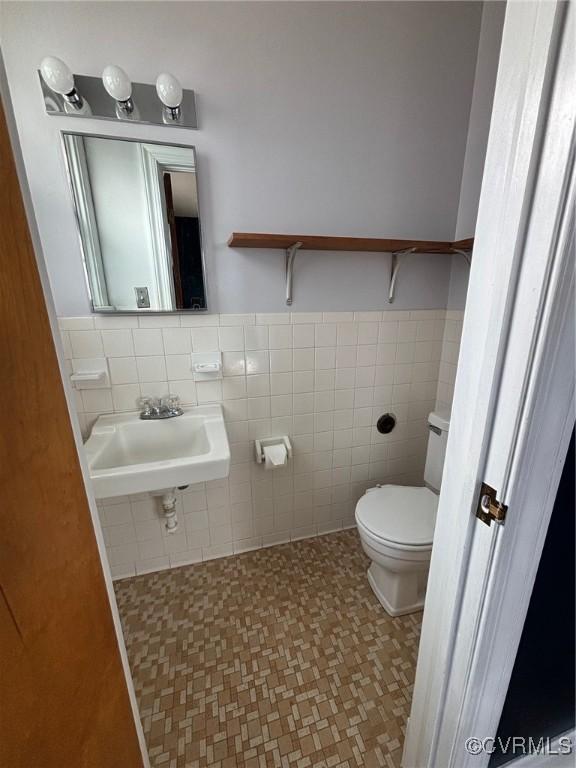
<point x="396" y="528"/>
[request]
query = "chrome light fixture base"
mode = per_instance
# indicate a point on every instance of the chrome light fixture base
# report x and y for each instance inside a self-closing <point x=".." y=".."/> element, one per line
<point x="171" y="115"/>
<point x="74" y="99"/>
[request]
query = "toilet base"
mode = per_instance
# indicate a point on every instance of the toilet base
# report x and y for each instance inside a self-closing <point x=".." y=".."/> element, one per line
<point x="397" y="593"/>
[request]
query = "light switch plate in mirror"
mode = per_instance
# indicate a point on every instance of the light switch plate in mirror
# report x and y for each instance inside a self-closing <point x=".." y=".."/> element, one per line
<point x="142" y="298"/>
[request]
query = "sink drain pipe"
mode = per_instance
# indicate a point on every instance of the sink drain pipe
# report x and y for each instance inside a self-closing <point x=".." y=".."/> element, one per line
<point x="169" y="510"/>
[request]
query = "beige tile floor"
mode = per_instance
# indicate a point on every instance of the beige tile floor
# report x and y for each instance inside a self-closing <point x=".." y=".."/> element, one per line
<point x="279" y="657"/>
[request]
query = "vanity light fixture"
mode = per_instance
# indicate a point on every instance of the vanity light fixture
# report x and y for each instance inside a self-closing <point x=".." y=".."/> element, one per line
<point x="119" y="86"/>
<point x="114" y="96"/>
<point x="170" y="94"/>
<point x="59" y="78"/>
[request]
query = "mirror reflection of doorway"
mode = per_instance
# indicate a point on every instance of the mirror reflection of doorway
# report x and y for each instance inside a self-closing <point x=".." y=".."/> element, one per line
<point x="182" y="211"/>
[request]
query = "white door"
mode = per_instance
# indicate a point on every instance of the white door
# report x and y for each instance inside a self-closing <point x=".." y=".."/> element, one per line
<point x="513" y="409"/>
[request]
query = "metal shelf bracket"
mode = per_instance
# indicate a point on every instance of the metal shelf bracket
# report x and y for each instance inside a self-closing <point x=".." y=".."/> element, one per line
<point x="396" y="260"/>
<point x="467" y="255"/>
<point x="290" y="256"/>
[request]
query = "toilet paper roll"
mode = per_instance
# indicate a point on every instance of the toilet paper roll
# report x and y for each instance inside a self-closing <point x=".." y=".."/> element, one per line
<point x="275" y="456"/>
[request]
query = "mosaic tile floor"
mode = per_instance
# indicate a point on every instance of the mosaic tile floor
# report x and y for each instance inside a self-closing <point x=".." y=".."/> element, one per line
<point x="279" y="657"/>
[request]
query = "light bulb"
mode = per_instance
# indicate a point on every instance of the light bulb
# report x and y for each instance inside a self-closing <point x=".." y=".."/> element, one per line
<point x="169" y="90"/>
<point x="117" y="82"/>
<point x="57" y="75"/>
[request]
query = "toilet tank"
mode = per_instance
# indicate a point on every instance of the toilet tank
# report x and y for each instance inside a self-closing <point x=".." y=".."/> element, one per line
<point x="438" y="423"/>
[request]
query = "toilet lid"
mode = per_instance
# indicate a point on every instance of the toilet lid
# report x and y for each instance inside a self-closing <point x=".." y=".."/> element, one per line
<point x="400" y="514"/>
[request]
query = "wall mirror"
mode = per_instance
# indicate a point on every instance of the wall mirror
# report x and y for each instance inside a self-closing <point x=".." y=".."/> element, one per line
<point x="137" y="210"/>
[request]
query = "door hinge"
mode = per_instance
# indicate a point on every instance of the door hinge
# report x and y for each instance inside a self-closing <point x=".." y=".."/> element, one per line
<point x="489" y="508"/>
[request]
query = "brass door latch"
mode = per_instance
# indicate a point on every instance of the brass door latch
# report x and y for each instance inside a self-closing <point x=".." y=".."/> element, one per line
<point x="489" y="508"/>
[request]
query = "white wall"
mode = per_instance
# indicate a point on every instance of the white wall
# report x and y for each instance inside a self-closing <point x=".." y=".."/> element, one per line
<point x="478" y="128"/>
<point x="480" y="113"/>
<point x="324" y="118"/>
<point x="458" y="283"/>
<point x="449" y="359"/>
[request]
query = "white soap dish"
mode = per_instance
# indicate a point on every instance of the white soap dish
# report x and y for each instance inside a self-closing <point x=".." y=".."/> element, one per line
<point x="89" y="379"/>
<point x="207" y="365"/>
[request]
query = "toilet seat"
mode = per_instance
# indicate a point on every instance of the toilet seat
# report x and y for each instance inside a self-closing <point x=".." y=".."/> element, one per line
<point x="401" y="517"/>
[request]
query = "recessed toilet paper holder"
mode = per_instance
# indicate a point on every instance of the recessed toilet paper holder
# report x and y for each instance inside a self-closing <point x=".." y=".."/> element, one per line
<point x="268" y="441"/>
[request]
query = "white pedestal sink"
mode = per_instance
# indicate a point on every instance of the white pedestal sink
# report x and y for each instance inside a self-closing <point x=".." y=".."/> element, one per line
<point x="129" y="455"/>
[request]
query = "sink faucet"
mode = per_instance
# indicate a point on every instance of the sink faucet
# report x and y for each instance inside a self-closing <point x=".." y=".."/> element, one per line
<point x="160" y="408"/>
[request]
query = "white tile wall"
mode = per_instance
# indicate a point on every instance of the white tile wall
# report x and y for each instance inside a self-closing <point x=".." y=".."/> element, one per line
<point x="323" y="379"/>
<point x="449" y="358"/>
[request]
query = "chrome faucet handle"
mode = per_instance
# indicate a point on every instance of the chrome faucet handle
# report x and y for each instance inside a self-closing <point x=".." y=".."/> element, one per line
<point x="172" y="404"/>
<point x="145" y="403"/>
<point x="148" y="405"/>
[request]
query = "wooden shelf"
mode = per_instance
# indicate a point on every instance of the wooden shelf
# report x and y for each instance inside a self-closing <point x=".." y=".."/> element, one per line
<point x="324" y="243"/>
<point x="397" y="248"/>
